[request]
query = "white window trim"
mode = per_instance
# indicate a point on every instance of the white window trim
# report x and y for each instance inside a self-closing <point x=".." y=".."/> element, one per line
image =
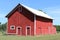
<point x="11" y="27"/>
<point x="17" y="29"/>
<point x="7" y="29"/>
<point x="26" y="30"/>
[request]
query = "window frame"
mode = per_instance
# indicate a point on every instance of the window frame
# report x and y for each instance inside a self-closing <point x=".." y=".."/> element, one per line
<point x="12" y="28"/>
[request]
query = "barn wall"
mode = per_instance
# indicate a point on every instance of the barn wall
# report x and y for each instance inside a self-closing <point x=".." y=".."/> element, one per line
<point x="44" y="25"/>
<point x="23" y="19"/>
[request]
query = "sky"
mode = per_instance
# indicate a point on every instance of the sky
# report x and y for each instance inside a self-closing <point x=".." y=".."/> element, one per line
<point x="51" y="7"/>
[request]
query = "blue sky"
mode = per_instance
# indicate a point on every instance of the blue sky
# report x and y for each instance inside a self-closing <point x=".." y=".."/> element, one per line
<point x="51" y="7"/>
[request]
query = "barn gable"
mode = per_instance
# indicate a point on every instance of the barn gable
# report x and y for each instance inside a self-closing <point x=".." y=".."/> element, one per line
<point x="36" y="12"/>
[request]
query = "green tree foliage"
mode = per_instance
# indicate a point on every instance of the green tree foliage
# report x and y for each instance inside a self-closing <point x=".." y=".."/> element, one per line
<point x="57" y="27"/>
<point x="3" y="27"/>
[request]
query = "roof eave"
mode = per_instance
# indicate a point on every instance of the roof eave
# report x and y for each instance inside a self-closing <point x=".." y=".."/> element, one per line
<point x="12" y="10"/>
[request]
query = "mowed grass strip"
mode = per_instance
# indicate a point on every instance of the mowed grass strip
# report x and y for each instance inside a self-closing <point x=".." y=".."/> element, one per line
<point x="40" y="37"/>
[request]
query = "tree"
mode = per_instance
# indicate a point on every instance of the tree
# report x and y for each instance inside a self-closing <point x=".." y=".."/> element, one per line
<point x="57" y="28"/>
<point x="3" y="27"/>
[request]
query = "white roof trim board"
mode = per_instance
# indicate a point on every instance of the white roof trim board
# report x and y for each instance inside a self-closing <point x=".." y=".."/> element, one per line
<point x="36" y="12"/>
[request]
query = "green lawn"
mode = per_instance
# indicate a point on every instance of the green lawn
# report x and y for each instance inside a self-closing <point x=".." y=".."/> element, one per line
<point x="41" y="37"/>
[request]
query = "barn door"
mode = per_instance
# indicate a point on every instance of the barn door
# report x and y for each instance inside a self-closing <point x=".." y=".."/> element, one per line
<point x="28" y="30"/>
<point x="19" y="30"/>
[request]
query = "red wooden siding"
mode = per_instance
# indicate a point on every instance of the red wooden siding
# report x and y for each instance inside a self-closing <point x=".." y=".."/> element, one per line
<point x="43" y="25"/>
<point x="21" y="19"/>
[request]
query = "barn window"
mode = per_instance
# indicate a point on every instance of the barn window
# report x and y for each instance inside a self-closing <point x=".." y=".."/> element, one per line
<point x="12" y="27"/>
<point x="20" y="9"/>
<point x="28" y="27"/>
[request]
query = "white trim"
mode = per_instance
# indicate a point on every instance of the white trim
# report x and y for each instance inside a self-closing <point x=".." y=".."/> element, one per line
<point x="26" y="30"/>
<point x="17" y="29"/>
<point x="34" y="24"/>
<point x="7" y="27"/>
<point x="12" y="28"/>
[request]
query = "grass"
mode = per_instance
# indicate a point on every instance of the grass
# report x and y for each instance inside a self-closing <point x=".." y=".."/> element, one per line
<point x="41" y="37"/>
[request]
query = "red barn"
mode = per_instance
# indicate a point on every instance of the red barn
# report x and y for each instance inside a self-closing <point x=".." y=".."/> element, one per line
<point x="23" y="20"/>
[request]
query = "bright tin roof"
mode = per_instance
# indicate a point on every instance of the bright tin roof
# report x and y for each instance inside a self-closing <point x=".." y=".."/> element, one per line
<point x="37" y="12"/>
